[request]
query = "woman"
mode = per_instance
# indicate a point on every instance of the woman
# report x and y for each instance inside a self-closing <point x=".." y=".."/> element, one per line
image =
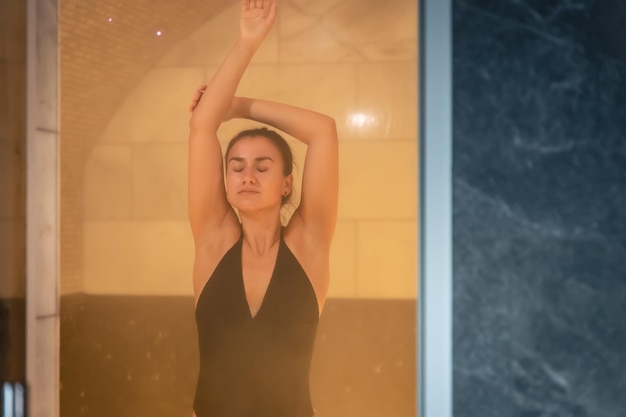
<point x="259" y="287"/>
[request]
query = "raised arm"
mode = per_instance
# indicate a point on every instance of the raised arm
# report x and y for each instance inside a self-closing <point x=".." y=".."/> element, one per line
<point x="208" y="207"/>
<point x="318" y="206"/>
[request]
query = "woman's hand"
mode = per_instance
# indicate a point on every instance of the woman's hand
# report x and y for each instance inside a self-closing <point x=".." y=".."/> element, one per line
<point x="196" y="97"/>
<point x="257" y="18"/>
<point x="230" y="113"/>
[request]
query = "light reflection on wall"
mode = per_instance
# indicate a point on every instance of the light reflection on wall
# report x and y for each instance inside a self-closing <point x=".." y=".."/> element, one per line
<point x="362" y="120"/>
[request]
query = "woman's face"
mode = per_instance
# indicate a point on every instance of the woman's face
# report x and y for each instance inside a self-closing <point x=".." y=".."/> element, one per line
<point x="254" y="175"/>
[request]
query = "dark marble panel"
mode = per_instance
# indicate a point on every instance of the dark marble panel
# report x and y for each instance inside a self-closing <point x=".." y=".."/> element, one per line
<point x="540" y="328"/>
<point x="570" y="332"/>
<point x="482" y="338"/>
<point x="539" y="251"/>
<point x="129" y="356"/>
<point x="539" y="132"/>
<point x="589" y="24"/>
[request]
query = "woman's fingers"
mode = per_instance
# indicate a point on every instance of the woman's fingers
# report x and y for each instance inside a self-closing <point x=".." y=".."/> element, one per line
<point x="196" y="97"/>
<point x="253" y="4"/>
<point x="269" y="7"/>
<point x="264" y="5"/>
<point x="270" y="10"/>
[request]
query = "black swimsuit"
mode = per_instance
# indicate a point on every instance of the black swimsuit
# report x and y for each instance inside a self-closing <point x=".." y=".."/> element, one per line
<point x="256" y="366"/>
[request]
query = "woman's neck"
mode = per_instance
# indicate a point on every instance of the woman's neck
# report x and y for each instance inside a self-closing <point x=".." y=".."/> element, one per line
<point x="260" y="233"/>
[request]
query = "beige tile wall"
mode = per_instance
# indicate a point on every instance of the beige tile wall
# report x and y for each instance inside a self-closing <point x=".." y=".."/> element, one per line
<point x="352" y="59"/>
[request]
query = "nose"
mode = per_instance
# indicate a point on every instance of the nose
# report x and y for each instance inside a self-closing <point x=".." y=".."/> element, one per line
<point x="248" y="177"/>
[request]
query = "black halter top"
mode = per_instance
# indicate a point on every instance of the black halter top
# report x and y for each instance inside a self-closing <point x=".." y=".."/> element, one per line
<point x="256" y="366"/>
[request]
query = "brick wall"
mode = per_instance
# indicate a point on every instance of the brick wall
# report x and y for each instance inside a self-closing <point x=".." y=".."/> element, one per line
<point x="12" y="147"/>
<point x="12" y="188"/>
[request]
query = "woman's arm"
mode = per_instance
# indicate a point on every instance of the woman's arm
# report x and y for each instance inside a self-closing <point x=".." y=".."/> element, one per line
<point x="208" y="207"/>
<point x="318" y="205"/>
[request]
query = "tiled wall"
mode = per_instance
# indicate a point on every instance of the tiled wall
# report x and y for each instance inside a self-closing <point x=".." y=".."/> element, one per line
<point x="133" y="237"/>
<point x="137" y="355"/>
<point x="12" y="190"/>
<point x="539" y="219"/>
<point x="330" y="56"/>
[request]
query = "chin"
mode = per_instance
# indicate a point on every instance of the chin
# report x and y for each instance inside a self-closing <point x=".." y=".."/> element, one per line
<point x="245" y="206"/>
<point x="255" y="208"/>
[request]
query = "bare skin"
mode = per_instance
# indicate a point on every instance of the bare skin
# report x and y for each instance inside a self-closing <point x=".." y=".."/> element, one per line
<point x="255" y="182"/>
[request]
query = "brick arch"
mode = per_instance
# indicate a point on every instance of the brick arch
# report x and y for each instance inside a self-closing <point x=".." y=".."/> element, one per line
<point x="100" y="62"/>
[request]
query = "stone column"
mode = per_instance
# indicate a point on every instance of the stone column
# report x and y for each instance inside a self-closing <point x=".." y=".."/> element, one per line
<point x="42" y="208"/>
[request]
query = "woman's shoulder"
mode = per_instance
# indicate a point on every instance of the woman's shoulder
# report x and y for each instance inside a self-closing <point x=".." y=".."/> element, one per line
<point x="304" y="245"/>
<point x="299" y="235"/>
<point x="218" y="238"/>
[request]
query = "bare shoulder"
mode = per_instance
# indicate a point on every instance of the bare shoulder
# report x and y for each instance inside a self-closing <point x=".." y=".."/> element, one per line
<point x="211" y="248"/>
<point x="312" y="254"/>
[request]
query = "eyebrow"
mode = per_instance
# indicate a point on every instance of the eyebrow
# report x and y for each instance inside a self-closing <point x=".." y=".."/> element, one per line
<point x="259" y="159"/>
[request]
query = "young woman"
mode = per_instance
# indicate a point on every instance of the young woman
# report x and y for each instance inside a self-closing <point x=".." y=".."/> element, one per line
<point x="259" y="286"/>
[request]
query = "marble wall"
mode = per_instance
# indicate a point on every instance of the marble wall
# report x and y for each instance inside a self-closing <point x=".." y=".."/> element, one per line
<point x="328" y="56"/>
<point x="539" y="226"/>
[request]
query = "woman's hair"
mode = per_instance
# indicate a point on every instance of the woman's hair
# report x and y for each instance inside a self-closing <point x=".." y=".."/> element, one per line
<point x="277" y="140"/>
